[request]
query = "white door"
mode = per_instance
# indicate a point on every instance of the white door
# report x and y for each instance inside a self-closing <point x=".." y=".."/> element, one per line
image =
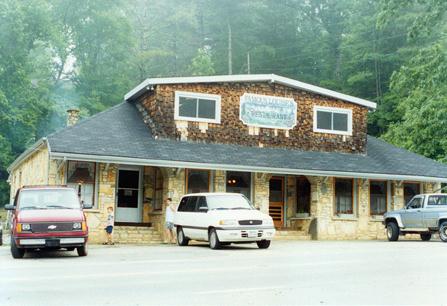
<point x="129" y="195"/>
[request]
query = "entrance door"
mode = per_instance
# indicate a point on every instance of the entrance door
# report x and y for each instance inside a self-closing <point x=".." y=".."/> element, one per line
<point x="276" y="201"/>
<point x="128" y="198"/>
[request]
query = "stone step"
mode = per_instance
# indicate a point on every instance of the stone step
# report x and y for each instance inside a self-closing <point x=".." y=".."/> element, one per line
<point x="136" y="235"/>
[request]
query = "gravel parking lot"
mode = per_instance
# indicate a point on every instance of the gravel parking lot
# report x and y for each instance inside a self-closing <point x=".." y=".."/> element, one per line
<point x="289" y="273"/>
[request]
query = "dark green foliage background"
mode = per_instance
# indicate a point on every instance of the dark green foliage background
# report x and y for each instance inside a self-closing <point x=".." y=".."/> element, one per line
<point x="88" y="53"/>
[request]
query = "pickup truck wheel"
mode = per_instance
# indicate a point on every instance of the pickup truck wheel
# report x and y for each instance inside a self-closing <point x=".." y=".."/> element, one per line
<point x="425" y="236"/>
<point x="392" y="231"/>
<point x="214" y="240"/>
<point x="443" y="231"/>
<point x="82" y="251"/>
<point x="263" y="244"/>
<point x="1" y="238"/>
<point x="15" y="251"/>
<point x="182" y="240"/>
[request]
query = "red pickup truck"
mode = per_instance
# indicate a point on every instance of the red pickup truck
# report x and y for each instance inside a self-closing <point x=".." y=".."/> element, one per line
<point x="47" y="217"/>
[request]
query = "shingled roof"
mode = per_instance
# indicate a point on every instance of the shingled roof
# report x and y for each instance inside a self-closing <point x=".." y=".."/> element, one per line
<point x="119" y="135"/>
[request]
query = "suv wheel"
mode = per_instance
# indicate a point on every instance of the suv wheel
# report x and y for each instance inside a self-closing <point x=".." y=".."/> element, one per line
<point x="214" y="240"/>
<point x="182" y="240"/>
<point x="443" y="231"/>
<point x="425" y="236"/>
<point x="82" y="251"/>
<point x="392" y="231"/>
<point x="263" y="244"/>
<point x="15" y="251"/>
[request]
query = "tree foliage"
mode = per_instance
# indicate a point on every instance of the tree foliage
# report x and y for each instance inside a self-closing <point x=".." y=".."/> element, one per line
<point x="57" y="54"/>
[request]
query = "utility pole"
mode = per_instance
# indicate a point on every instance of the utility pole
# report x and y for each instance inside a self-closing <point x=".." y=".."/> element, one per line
<point x="248" y="62"/>
<point x="230" y="51"/>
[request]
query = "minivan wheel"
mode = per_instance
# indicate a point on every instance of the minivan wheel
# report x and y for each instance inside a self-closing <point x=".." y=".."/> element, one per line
<point x="82" y="251"/>
<point x="181" y="238"/>
<point x="15" y="251"/>
<point x="214" y="240"/>
<point x="392" y="231"/>
<point x="263" y="244"/>
<point x="425" y="236"/>
<point x="443" y="231"/>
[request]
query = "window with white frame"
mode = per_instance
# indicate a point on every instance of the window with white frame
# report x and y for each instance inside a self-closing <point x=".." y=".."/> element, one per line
<point x="198" y="107"/>
<point x="332" y="120"/>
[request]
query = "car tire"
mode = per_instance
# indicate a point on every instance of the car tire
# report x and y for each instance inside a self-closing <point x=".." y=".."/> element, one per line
<point x="82" y="251"/>
<point x="392" y="231"/>
<point x="1" y="238"/>
<point x="443" y="231"/>
<point x="182" y="240"/>
<point x="15" y="251"/>
<point x="214" y="240"/>
<point x="425" y="236"/>
<point x="263" y="244"/>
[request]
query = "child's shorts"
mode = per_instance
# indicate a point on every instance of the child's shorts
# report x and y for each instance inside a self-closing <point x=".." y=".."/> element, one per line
<point x="169" y="225"/>
<point x="109" y="229"/>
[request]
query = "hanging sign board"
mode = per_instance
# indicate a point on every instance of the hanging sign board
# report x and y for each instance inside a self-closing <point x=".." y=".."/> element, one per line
<point x="267" y="111"/>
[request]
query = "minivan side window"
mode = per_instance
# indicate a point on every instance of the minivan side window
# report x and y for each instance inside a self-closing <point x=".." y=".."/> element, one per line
<point x="191" y="204"/>
<point x="201" y="203"/>
<point x="182" y="205"/>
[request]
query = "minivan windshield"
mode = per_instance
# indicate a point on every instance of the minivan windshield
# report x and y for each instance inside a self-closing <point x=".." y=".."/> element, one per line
<point x="48" y="199"/>
<point x="228" y="202"/>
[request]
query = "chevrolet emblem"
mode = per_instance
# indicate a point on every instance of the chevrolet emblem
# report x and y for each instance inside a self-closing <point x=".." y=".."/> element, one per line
<point x="52" y="227"/>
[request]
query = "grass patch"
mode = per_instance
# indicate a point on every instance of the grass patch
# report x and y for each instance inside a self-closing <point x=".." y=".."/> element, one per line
<point x="3" y="214"/>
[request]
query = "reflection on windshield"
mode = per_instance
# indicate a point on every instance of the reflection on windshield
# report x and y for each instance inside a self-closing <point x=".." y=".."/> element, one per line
<point x="228" y="202"/>
<point x="48" y="199"/>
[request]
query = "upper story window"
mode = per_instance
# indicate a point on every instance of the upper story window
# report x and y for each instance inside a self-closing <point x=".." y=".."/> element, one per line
<point x="198" y="107"/>
<point x="332" y="120"/>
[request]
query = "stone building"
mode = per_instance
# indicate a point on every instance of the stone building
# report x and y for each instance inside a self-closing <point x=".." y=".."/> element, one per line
<point x="299" y="152"/>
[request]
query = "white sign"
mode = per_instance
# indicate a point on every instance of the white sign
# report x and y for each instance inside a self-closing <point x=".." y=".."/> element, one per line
<point x="268" y="111"/>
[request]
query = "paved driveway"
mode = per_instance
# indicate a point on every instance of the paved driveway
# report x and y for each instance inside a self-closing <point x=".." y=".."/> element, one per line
<point x="308" y="272"/>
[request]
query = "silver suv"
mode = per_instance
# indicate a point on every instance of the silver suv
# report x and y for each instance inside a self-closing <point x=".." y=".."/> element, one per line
<point x="425" y="214"/>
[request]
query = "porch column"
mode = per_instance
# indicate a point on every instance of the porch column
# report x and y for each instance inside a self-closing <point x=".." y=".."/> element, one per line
<point x="321" y="206"/>
<point x="174" y="188"/>
<point x="219" y="181"/>
<point x="97" y="219"/>
<point x="398" y="197"/>
<point x="261" y="191"/>
<point x="430" y="187"/>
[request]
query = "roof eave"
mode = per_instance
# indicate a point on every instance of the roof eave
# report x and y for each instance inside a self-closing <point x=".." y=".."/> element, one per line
<point x="148" y="83"/>
<point x="27" y="153"/>
<point x="243" y="168"/>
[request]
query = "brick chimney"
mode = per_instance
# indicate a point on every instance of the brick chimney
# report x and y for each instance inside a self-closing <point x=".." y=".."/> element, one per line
<point x="72" y="116"/>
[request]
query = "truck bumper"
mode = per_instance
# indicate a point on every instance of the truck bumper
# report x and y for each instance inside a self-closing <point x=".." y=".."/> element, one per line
<point x="50" y="242"/>
<point x="245" y="235"/>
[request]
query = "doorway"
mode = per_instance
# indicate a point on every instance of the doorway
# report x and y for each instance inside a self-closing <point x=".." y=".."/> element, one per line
<point x="276" y="200"/>
<point x="129" y="195"/>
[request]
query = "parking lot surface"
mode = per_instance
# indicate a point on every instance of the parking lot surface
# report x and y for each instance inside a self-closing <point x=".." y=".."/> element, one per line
<point x="289" y="273"/>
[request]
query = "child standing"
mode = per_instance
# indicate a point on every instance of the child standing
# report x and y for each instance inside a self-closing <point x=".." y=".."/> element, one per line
<point x="169" y="221"/>
<point x="109" y="227"/>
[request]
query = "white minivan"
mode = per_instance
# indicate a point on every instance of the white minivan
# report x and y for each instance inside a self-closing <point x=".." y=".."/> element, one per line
<point x="221" y="219"/>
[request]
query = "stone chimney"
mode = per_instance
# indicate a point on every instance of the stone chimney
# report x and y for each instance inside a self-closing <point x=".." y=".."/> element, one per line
<point x="72" y="116"/>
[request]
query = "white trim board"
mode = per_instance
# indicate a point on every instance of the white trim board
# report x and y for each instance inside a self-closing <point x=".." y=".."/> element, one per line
<point x="272" y="78"/>
<point x="208" y="166"/>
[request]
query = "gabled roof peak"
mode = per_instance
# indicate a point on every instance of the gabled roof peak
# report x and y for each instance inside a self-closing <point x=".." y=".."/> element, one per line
<point x="239" y="78"/>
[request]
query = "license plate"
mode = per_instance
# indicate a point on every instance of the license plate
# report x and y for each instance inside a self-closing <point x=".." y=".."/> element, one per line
<point x="252" y="234"/>
<point x="52" y="243"/>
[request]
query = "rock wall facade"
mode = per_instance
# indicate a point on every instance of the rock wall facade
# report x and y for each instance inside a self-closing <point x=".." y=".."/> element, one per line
<point x="157" y="108"/>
